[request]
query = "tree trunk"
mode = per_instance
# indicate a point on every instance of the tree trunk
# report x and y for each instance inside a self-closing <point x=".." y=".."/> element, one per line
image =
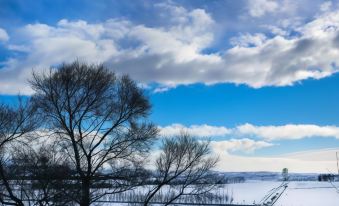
<point x="85" y="192"/>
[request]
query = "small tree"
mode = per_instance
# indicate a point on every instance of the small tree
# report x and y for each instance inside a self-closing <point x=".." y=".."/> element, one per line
<point x="284" y="174"/>
<point x="99" y="119"/>
<point x="183" y="168"/>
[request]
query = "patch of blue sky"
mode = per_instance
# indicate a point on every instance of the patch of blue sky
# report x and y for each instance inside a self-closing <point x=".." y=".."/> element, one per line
<point x="4" y="55"/>
<point x="307" y="102"/>
<point x="12" y="100"/>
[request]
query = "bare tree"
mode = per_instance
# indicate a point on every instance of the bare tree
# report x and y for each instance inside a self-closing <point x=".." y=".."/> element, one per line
<point x="100" y="122"/>
<point x="15" y="122"/>
<point x="183" y="168"/>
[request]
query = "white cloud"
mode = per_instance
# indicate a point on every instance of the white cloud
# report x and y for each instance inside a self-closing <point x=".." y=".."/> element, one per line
<point x="259" y="8"/>
<point x="195" y="130"/>
<point x="243" y="145"/>
<point x="290" y="131"/>
<point x="3" y="35"/>
<point x="174" y="54"/>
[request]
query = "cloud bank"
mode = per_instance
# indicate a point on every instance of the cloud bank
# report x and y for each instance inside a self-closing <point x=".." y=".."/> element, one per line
<point x="289" y="132"/>
<point x="243" y="145"/>
<point x="200" y="131"/>
<point x="248" y="138"/>
<point x="176" y="52"/>
<point x="317" y="161"/>
<point x="268" y="133"/>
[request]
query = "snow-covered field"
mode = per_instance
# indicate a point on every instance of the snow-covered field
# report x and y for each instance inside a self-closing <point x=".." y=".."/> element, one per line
<point x="308" y="193"/>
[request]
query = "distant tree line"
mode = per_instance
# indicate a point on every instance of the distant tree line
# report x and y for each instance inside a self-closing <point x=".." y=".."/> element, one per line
<point x="84" y="135"/>
<point x="231" y="180"/>
<point x="327" y="177"/>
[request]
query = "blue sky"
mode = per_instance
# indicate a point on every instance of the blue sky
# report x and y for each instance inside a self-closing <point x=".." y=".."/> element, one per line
<point x="259" y="77"/>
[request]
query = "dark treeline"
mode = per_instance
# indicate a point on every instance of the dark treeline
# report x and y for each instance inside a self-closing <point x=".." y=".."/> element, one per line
<point x="328" y="177"/>
<point x="85" y="135"/>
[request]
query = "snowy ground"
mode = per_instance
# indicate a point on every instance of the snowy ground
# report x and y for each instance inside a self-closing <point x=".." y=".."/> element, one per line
<point x="303" y="193"/>
<point x="297" y="193"/>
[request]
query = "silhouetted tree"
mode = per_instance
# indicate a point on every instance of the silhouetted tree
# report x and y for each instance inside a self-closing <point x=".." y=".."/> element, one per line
<point x="100" y="122"/>
<point x="183" y="168"/>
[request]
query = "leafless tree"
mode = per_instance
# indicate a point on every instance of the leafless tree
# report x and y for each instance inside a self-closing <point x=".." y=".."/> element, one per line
<point x="15" y="122"/>
<point x="183" y="168"/>
<point x="100" y="120"/>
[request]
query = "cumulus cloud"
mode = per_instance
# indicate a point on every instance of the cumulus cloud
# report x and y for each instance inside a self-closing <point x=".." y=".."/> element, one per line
<point x="148" y="54"/>
<point x="194" y="130"/>
<point x="289" y="131"/>
<point x="3" y="35"/>
<point x="284" y="60"/>
<point x="174" y="54"/>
